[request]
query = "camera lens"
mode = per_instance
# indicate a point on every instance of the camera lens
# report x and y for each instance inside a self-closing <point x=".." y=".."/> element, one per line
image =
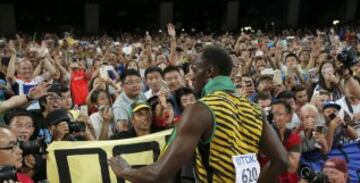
<point x="8" y="173"/>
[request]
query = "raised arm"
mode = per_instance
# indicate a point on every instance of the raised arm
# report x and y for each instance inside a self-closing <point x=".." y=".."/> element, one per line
<point x="172" y="34"/>
<point x="148" y="48"/>
<point x="12" y="64"/>
<point x="196" y="122"/>
<point x="20" y="100"/>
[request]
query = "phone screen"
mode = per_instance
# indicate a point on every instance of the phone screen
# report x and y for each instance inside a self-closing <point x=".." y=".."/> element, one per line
<point x="320" y="129"/>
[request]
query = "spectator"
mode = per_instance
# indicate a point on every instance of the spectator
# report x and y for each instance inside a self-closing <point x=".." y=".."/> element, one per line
<point x="338" y="131"/>
<point x="264" y="85"/>
<point x="350" y="106"/>
<point x="131" y="84"/>
<point x="79" y="84"/>
<point x="336" y="170"/>
<point x="22" y="125"/>
<point x="185" y="97"/>
<point x="60" y="129"/>
<point x="264" y="100"/>
<point x="141" y="121"/>
<point x="10" y="153"/>
<point x="48" y="103"/>
<point x="290" y="99"/>
<point x="173" y="78"/>
<point x="282" y="112"/>
<point x="163" y="109"/>
<point x="153" y="78"/>
<point x="247" y="86"/>
<point x="293" y="70"/>
<point x="24" y="80"/>
<point x="311" y="139"/>
<point x="318" y="100"/>
<point x="301" y="97"/>
<point x="102" y="121"/>
<point x="329" y="81"/>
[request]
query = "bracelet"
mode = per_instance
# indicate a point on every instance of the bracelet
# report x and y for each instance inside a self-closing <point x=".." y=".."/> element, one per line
<point x="28" y="98"/>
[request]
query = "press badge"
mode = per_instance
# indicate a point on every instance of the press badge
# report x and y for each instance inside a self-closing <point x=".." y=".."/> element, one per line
<point x="247" y="168"/>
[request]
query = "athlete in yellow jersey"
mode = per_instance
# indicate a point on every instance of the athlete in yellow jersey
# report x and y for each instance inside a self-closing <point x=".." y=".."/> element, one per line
<point x="226" y="132"/>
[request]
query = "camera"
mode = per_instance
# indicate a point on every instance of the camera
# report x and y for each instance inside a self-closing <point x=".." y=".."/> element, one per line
<point x="348" y="57"/>
<point x="76" y="126"/>
<point x="8" y="173"/>
<point x="33" y="147"/>
<point x="312" y="176"/>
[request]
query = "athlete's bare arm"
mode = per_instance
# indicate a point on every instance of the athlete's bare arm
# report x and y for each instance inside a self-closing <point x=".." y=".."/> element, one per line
<point x="196" y="124"/>
<point x="272" y="147"/>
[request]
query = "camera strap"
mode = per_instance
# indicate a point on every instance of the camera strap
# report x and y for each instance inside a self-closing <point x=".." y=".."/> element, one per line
<point x="347" y="101"/>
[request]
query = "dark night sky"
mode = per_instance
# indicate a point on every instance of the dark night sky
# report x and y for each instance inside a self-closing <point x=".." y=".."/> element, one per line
<point x="41" y="15"/>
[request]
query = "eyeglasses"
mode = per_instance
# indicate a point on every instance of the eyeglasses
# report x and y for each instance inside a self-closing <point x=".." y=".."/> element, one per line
<point x="13" y="146"/>
<point x="133" y="82"/>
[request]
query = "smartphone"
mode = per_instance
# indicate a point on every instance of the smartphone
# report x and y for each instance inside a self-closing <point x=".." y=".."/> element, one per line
<point x="102" y="108"/>
<point x="277" y="77"/>
<point x="332" y="116"/>
<point x="84" y="109"/>
<point x="104" y="73"/>
<point x="320" y="128"/>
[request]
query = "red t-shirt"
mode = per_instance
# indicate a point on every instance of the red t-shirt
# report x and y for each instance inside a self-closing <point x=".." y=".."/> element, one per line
<point x="22" y="178"/>
<point x="79" y="87"/>
<point x="292" y="143"/>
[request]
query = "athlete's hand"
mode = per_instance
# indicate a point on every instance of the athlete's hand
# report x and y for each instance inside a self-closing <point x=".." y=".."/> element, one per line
<point x="119" y="166"/>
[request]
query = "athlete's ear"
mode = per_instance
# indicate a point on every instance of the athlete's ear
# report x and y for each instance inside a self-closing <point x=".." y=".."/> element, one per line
<point x="210" y="71"/>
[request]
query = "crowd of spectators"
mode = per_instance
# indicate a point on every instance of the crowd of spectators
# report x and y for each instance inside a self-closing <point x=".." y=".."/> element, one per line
<point x="73" y="88"/>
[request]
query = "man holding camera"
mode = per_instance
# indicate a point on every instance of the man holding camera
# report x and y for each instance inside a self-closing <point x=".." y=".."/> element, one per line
<point x="21" y="123"/>
<point x="62" y="128"/>
<point x="10" y="157"/>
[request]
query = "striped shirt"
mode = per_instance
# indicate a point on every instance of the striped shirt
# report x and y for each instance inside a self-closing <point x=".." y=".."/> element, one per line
<point x="237" y="131"/>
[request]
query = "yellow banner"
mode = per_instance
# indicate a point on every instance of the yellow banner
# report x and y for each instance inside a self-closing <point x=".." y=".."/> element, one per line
<point x="86" y="162"/>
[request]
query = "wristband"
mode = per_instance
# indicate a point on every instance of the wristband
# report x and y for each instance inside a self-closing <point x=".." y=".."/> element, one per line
<point x="28" y="98"/>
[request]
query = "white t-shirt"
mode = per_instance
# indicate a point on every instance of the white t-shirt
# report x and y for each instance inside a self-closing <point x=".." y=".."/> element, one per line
<point x="97" y="122"/>
<point x="148" y="94"/>
<point x="295" y="122"/>
<point x="24" y="88"/>
<point x="345" y="108"/>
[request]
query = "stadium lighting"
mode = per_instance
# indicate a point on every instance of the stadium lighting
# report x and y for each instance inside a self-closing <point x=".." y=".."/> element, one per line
<point x="335" y="22"/>
<point x="247" y="28"/>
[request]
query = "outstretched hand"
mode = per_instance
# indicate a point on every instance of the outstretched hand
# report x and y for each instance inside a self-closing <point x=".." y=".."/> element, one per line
<point x="39" y="91"/>
<point x="119" y="166"/>
<point x="171" y="30"/>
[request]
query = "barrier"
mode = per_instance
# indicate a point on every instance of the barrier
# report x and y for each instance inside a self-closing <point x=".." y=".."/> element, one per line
<point x="350" y="152"/>
<point x="86" y="162"/>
